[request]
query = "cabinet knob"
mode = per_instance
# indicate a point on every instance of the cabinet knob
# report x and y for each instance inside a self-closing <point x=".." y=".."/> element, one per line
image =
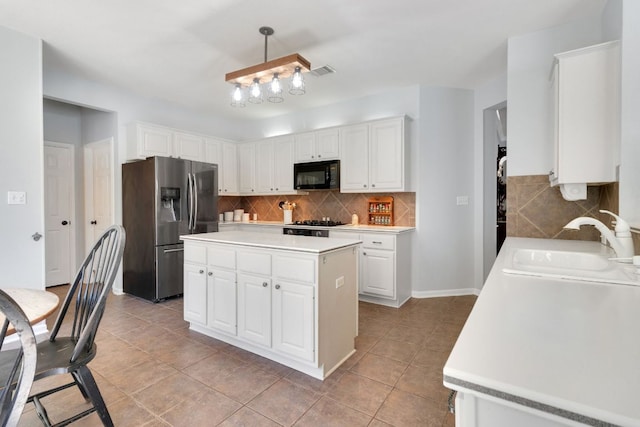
<point x="364" y="185"/>
<point x="201" y="271"/>
<point x="265" y="284"/>
<point x="373" y="185"/>
<point x="277" y="286"/>
<point x="211" y="273"/>
<point x="277" y="189"/>
<point x="272" y="189"/>
<point x="319" y="155"/>
<point x="364" y="253"/>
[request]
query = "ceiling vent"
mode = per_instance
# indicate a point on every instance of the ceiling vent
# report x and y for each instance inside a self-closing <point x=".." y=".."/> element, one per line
<point x="322" y="71"/>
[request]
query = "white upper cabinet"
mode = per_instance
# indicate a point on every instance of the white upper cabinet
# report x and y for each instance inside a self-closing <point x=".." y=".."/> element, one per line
<point x="144" y="140"/>
<point x="223" y="154"/>
<point x="317" y="146"/>
<point x="373" y="157"/>
<point x="586" y="84"/>
<point x="247" y="168"/>
<point x="188" y="146"/>
<point x="274" y="165"/>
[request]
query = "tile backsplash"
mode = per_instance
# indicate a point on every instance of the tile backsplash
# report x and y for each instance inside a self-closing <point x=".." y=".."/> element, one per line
<point x="535" y="209"/>
<point x="318" y="204"/>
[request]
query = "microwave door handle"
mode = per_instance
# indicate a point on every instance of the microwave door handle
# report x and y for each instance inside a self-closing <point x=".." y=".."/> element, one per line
<point x="195" y="200"/>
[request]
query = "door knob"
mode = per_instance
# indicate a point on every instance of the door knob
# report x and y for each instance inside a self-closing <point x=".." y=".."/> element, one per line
<point x="65" y="222"/>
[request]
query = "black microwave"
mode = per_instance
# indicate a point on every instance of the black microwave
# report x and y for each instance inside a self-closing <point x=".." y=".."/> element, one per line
<point x="316" y="175"/>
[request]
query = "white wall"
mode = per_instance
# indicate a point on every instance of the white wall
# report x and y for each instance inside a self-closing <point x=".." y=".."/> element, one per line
<point x="21" y="167"/>
<point x="630" y="125"/>
<point x="443" y="261"/>
<point x="530" y="58"/>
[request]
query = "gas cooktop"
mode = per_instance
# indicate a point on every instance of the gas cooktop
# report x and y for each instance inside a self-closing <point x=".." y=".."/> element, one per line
<point x="317" y="223"/>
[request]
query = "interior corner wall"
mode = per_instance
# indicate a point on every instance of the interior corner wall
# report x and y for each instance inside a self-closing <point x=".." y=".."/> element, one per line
<point x="443" y="256"/>
<point x="21" y="163"/>
<point x="529" y="64"/>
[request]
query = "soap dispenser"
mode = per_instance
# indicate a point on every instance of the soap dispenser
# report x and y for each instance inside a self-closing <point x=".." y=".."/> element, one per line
<point x="354" y="219"/>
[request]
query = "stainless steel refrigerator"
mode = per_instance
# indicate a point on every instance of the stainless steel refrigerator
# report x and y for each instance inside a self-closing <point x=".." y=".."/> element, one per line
<point x="163" y="198"/>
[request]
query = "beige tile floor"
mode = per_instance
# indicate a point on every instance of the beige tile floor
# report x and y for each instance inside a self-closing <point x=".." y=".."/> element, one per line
<point x="153" y="371"/>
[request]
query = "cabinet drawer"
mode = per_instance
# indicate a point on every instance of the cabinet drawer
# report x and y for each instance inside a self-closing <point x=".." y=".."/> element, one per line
<point x="254" y="262"/>
<point x="221" y="257"/>
<point x="195" y="253"/>
<point x="378" y="241"/>
<point x="294" y="269"/>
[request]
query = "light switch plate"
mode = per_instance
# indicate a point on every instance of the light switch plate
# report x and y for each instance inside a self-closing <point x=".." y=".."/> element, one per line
<point x="462" y="200"/>
<point x="16" y="197"/>
<point x="340" y="282"/>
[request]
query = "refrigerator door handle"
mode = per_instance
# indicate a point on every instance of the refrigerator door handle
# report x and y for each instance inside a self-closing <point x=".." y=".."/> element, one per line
<point x="190" y="201"/>
<point x="195" y="200"/>
<point x="168" y="251"/>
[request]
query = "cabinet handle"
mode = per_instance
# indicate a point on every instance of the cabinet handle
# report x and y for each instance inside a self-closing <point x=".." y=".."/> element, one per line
<point x="201" y="271"/>
<point x="377" y="243"/>
<point x="211" y="273"/>
<point x="277" y="286"/>
<point x="265" y="284"/>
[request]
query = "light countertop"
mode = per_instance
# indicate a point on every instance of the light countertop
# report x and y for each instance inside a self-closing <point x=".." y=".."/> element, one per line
<point x="562" y="346"/>
<point x="285" y="242"/>
<point x="345" y="227"/>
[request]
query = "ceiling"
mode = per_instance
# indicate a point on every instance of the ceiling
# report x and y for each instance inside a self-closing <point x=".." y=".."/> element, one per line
<point x="180" y="51"/>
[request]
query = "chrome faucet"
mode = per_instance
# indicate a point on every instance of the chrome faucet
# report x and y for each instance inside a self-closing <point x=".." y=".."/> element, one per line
<point x="621" y="241"/>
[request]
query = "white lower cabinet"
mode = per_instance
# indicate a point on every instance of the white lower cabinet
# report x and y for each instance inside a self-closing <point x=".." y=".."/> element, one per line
<point x="195" y="293"/>
<point x="221" y="300"/>
<point x="293" y="319"/>
<point x="378" y="267"/>
<point x="299" y="309"/>
<point x="254" y="309"/>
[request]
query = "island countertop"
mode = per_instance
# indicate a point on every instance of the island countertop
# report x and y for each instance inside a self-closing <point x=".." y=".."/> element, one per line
<point x="285" y="242"/>
<point x="563" y="347"/>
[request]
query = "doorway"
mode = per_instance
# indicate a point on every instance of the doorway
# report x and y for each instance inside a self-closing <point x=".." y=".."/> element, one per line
<point x="59" y="210"/>
<point x="494" y="182"/>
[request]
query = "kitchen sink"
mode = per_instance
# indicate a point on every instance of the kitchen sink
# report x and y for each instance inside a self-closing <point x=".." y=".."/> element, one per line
<point x="570" y="265"/>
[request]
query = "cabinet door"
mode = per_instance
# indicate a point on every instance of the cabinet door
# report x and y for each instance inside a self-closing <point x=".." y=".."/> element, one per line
<point x="386" y="155"/>
<point x="254" y="309"/>
<point x="354" y="170"/>
<point x="221" y="300"/>
<point x="195" y="293"/>
<point x="154" y="141"/>
<point x="378" y="272"/>
<point x="247" y="168"/>
<point x="264" y="166"/>
<point x="305" y="147"/>
<point x="188" y="146"/>
<point x="293" y="319"/>
<point x="230" y="169"/>
<point x="328" y="144"/>
<point x="283" y="164"/>
<point x="213" y="154"/>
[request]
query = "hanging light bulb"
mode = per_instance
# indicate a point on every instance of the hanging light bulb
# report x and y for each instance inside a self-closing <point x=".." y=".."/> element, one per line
<point x="297" y="83"/>
<point x="255" y="93"/>
<point x="237" y="96"/>
<point x="275" y="90"/>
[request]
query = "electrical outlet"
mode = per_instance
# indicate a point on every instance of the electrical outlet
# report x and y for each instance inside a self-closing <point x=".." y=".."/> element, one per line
<point x="16" y="197"/>
<point x="339" y="282"/>
<point x="462" y="200"/>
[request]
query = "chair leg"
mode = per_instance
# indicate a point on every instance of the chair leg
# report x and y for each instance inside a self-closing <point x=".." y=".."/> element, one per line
<point x="89" y="383"/>
<point x="81" y="386"/>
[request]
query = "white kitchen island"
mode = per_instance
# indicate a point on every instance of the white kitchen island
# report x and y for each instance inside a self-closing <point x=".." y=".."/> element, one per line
<point x="538" y="351"/>
<point x="292" y="299"/>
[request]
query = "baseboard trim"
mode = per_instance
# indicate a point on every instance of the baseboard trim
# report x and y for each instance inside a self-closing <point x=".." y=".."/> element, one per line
<point x="445" y="293"/>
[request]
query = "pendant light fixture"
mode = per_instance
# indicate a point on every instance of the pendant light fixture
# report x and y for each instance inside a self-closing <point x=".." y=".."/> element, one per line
<point x="270" y="73"/>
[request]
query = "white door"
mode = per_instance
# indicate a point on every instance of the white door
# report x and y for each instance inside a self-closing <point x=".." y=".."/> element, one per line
<point x="58" y="202"/>
<point x="98" y="189"/>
